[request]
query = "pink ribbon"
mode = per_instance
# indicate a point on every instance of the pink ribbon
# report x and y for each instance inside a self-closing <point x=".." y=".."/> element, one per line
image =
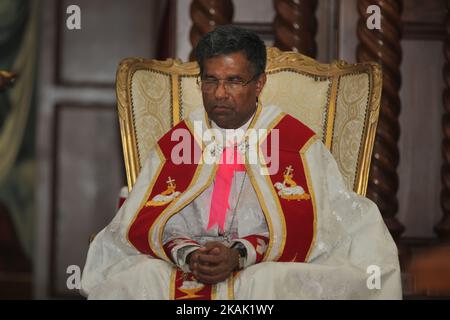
<point x="229" y="163"/>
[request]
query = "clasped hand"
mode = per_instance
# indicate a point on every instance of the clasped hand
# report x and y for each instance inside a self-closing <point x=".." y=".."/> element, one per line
<point x="213" y="263"/>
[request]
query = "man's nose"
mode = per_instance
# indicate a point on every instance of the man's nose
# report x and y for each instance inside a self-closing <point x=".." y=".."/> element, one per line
<point x="221" y="91"/>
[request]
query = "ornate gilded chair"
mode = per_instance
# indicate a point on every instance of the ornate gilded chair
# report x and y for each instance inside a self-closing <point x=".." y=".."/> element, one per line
<point x="339" y="101"/>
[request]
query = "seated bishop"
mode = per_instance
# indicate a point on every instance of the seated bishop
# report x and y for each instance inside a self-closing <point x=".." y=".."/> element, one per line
<point x="241" y="201"/>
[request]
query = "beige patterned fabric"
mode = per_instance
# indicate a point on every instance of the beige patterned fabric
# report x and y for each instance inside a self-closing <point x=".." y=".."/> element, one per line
<point x="150" y="93"/>
<point x="339" y="101"/>
<point x="297" y="94"/>
<point x="300" y="95"/>
<point x="190" y="95"/>
<point x="351" y="110"/>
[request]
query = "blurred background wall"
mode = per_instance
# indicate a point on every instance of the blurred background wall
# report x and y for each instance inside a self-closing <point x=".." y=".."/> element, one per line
<point x="61" y="164"/>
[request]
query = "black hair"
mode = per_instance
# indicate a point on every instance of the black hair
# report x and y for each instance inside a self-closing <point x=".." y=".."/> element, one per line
<point x="230" y="39"/>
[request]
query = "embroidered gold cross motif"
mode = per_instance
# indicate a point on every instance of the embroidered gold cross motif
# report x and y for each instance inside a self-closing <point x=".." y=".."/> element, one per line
<point x="289" y="189"/>
<point x="166" y="196"/>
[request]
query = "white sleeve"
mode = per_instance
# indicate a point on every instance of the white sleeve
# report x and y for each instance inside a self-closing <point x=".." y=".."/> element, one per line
<point x="110" y="252"/>
<point x="352" y="242"/>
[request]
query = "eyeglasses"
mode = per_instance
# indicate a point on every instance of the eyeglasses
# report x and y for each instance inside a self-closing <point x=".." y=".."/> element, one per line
<point x="230" y="85"/>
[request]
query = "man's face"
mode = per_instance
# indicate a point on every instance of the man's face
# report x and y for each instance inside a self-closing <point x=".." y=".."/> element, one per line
<point x="230" y="106"/>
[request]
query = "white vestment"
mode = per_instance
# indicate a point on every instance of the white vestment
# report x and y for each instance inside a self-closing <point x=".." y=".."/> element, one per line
<point x="353" y="255"/>
<point x="248" y="219"/>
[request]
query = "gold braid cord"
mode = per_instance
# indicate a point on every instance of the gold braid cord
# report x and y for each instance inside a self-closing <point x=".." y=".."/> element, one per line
<point x="295" y="26"/>
<point x="383" y="46"/>
<point x="443" y="228"/>
<point x="206" y="15"/>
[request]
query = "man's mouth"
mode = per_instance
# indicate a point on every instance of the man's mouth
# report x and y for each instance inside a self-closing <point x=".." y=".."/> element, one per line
<point x="219" y="108"/>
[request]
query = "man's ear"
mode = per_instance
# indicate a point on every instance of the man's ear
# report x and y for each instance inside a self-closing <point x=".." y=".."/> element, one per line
<point x="260" y="82"/>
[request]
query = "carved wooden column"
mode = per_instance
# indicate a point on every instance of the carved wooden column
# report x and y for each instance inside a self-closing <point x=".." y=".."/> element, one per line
<point x="383" y="46"/>
<point x="206" y="14"/>
<point x="295" y="26"/>
<point x="443" y="227"/>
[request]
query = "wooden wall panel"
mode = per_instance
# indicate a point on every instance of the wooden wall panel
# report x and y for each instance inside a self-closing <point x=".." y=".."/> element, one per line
<point x="421" y="137"/>
<point x="87" y="178"/>
<point x="420" y="117"/>
<point x="111" y="30"/>
<point x="419" y="11"/>
<point x="80" y="168"/>
<point x="347" y="38"/>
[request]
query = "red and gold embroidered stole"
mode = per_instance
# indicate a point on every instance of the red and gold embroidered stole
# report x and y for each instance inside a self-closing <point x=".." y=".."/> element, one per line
<point x="297" y="210"/>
